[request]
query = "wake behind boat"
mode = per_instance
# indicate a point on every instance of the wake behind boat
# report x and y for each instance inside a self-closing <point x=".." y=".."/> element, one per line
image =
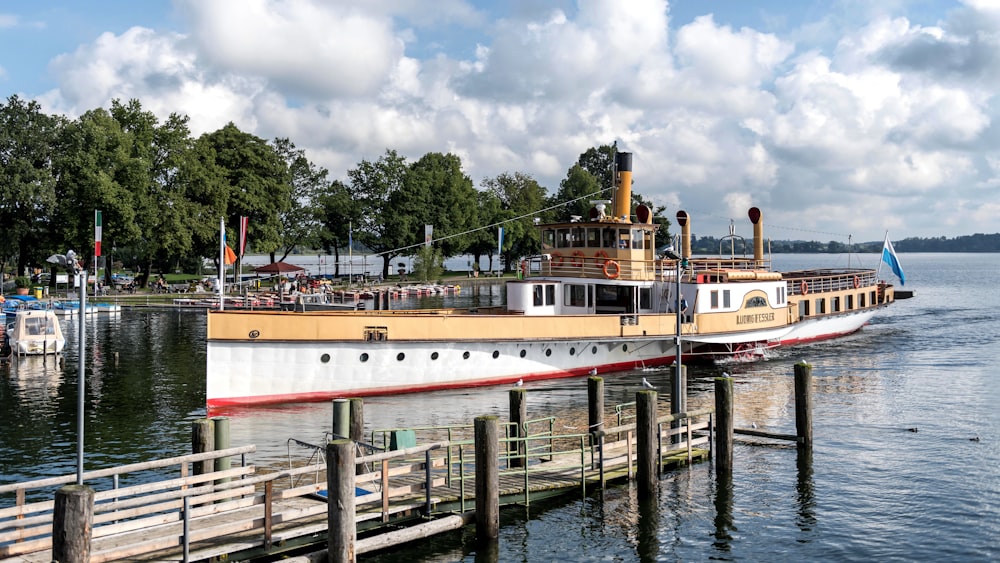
<point x="597" y="297"/>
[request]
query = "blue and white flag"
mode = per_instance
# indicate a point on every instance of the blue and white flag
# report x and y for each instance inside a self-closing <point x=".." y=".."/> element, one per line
<point x="890" y="258"/>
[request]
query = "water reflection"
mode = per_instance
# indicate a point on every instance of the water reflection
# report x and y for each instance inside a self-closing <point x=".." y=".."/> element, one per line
<point x="724" y="524"/>
<point x="804" y="487"/>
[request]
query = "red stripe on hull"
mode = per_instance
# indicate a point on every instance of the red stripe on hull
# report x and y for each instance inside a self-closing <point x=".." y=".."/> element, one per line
<point x="829" y="336"/>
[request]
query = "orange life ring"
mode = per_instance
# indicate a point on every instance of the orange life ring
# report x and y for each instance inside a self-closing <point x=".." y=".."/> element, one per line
<point x="803" y="288"/>
<point x="601" y="254"/>
<point x="857" y="282"/>
<point x="577" y="258"/>
<point x="612" y="275"/>
<point x="557" y="259"/>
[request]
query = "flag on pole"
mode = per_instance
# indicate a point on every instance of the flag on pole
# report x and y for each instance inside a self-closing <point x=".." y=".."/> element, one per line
<point x="350" y="236"/>
<point x="230" y="255"/>
<point x="244" y="222"/>
<point x="97" y="233"/>
<point x="890" y="258"/>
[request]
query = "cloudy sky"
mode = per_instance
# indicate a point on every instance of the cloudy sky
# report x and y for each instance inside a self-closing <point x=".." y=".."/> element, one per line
<point x="836" y="118"/>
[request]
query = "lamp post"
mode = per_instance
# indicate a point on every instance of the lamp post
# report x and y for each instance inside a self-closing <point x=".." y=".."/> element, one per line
<point x="678" y="385"/>
<point x="80" y="275"/>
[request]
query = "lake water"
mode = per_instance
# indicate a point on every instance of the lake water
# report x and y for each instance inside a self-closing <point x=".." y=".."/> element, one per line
<point x="875" y="489"/>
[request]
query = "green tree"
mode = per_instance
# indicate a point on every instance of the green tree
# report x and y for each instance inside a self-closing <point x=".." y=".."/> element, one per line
<point x="575" y="194"/>
<point x="439" y="193"/>
<point x="489" y="215"/>
<point x="27" y="183"/>
<point x="98" y="168"/>
<point x="259" y="186"/>
<point x="378" y="226"/>
<point x="428" y="264"/>
<point x="302" y="221"/>
<point x="336" y="209"/>
<point x="521" y="198"/>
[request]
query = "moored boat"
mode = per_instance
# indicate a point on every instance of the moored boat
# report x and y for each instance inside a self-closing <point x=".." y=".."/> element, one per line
<point x="598" y="296"/>
<point x="33" y="332"/>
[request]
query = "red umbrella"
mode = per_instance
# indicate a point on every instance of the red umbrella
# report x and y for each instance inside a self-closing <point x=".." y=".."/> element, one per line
<point x="279" y="268"/>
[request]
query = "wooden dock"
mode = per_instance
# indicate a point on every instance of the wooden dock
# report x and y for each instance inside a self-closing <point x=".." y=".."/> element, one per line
<point x="162" y="511"/>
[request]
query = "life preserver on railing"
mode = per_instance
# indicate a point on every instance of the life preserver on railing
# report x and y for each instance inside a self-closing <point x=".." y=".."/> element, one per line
<point x="803" y="288"/>
<point x="857" y="282"/>
<point x="557" y="259"/>
<point x="609" y="266"/>
<point x="601" y="254"/>
<point x="577" y="259"/>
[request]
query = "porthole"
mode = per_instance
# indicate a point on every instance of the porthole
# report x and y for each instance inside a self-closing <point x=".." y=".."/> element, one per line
<point x="434" y="355"/>
<point x="496" y="354"/>
<point x="364" y="357"/>
<point x="548" y="352"/>
<point x="624" y="347"/>
<point x="400" y="356"/>
<point x="465" y="355"/>
<point x="572" y="351"/>
<point x="524" y="353"/>
<point x="593" y="350"/>
<point x="325" y="358"/>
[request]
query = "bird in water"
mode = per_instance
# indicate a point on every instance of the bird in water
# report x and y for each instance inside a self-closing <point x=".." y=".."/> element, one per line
<point x="520" y="383"/>
<point x="647" y="384"/>
<point x="593" y="371"/>
<point x="753" y="425"/>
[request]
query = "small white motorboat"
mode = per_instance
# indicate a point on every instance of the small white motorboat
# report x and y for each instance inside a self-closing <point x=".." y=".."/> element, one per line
<point x="34" y="332"/>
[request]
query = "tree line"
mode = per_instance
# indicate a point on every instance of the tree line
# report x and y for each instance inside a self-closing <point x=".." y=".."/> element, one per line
<point x="163" y="191"/>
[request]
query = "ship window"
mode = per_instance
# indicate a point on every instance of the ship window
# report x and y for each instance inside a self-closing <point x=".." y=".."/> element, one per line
<point x="593" y="238"/>
<point x="820" y="306"/>
<point x="849" y="302"/>
<point x="325" y="358"/>
<point x="563" y="238"/>
<point x="861" y="300"/>
<point x="637" y="239"/>
<point x="577" y="236"/>
<point x="725" y="299"/>
<point x="550" y="295"/>
<point x="645" y="298"/>
<point x="465" y="355"/>
<point x="536" y="292"/>
<point x="624" y="347"/>
<point x="576" y="296"/>
<point x="364" y="357"/>
<point x="548" y="239"/>
<point x="400" y="356"/>
<point x="835" y="304"/>
<point x="524" y="353"/>
<point x="548" y="352"/>
<point x="608" y="236"/>
<point x="780" y="295"/>
<point x="434" y="355"/>
<point x="593" y="350"/>
<point x="757" y="301"/>
<point x="496" y="354"/>
<point x="572" y="351"/>
<point x="804" y="304"/>
<point x="715" y="299"/>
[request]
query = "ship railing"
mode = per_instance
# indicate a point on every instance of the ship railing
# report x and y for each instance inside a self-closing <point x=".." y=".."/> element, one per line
<point x="802" y="283"/>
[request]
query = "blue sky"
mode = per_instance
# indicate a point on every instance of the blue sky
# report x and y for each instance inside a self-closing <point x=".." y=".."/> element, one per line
<point x="836" y="118"/>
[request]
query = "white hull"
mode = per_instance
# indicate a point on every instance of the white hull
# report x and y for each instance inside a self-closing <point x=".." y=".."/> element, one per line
<point x="244" y="372"/>
<point x="34" y="332"/>
<point x="822" y="328"/>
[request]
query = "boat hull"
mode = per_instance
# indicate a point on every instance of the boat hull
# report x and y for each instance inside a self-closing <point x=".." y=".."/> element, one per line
<point x="244" y="373"/>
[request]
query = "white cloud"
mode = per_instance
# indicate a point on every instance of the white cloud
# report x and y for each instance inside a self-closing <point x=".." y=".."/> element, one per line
<point x="859" y="137"/>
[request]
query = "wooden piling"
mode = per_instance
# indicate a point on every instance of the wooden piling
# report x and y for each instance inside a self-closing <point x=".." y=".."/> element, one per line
<point x="72" y="524"/>
<point x="341" y="418"/>
<point x="803" y="405"/>
<point x="647" y="456"/>
<point x="487" y="478"/>
<point x="518" y="415"/>
<point x="595" y="403"/>
<point x="221" y="424"/>
<point x="357" y="419"/>
<point x="341" y="528"/>
<point x="724" y="425"/>
<point x="203" y="440"/>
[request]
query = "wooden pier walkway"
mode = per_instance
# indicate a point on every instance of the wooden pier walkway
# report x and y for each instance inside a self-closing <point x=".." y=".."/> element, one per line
<point x="163" y="511"/>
